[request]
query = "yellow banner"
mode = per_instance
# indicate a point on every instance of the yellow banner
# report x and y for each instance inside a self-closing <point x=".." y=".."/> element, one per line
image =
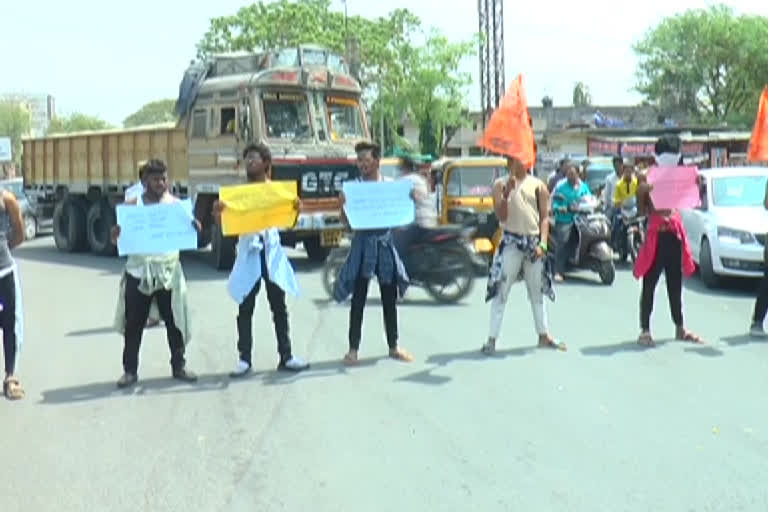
<point x="257" y="206"/>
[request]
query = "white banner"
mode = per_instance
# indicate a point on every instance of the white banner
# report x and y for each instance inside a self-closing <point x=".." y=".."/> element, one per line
<point x="5" y="149"/>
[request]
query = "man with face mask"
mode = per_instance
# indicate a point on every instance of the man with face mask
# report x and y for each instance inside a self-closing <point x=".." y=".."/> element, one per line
<point x="372" y="254"/>
<point x="260" y="257"/>
<point x="153" y="277"/>
<point x="666" y="250"/>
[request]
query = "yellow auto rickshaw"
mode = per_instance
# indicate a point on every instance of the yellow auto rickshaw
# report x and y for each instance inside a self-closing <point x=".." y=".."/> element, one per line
<point x="465" y="194"/>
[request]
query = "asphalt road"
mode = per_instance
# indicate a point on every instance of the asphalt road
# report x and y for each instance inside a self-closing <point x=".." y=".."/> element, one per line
<point x="605" y="426"/>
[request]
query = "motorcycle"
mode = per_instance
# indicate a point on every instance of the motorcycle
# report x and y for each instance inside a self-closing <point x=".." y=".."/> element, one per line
<point x="631" y="233"/>
<point x="592" y="231"/>
<point x="442" y="264"/>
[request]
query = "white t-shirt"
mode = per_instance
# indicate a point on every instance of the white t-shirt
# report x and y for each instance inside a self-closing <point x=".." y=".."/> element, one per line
<point x="134" y="191"/>
<point x="426" y="212"/>
<point x="610" y="188"/>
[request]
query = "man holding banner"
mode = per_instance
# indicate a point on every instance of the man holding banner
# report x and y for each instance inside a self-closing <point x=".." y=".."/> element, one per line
<point x="149" y="277"/>
<point x="260" y="257"/>
<point x="372" y="254"/>
<point x="668" y="189"/>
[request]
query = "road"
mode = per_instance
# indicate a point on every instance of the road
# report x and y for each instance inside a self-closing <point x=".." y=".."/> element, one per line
<point x="605" y="426"/>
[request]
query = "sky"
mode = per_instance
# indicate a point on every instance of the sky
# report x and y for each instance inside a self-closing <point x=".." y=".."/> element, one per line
<point x="107" y="59"/>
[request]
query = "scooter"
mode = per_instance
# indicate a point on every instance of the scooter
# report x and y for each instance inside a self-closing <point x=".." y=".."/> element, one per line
<point x="442" y="264"/>
<point x="631" y="233"/>
<point x="592" y="231"/>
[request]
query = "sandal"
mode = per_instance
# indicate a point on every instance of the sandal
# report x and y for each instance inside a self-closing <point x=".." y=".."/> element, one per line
<point x="646" y="340"/>
<point x="12" y="389"/>
<point x="554" y="344"/>
<point x="686" y="335"/>
<point x="400" y="354"/>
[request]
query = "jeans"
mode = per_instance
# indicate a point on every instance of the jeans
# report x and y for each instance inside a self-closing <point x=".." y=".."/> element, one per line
<point x="513" y="261"/>
<point x="565" y="244"/>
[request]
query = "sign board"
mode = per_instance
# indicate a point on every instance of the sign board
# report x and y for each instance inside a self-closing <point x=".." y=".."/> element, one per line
<point x="5" y="149"/>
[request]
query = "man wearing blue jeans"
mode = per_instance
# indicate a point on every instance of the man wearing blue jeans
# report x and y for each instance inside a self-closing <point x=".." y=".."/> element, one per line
<point x="564" y="201"/>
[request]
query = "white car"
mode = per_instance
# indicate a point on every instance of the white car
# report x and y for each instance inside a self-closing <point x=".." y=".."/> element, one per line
<point x="728" y="231"/>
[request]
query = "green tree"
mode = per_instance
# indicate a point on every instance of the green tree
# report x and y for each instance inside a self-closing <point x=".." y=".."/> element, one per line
<point x="15" y="122"/>
<point x="77" y="122"/>
<point x="708" y="63"/>
<point x="160" y="111"/>
<point x="284" y="23"/>
<point x="581" y="95"/>
<point x="434" y="90"/>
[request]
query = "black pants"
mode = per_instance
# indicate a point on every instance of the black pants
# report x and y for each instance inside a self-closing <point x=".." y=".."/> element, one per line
<point x="136" y="313"/>
<point x="8" y="321"/>
<point x="761" y="304"/>
<point x="276" y="299"/>
<point x="389" y="304"/>
<point x="669" y="259"/>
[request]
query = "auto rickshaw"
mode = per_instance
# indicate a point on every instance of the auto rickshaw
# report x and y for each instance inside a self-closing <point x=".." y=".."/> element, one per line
<point x="465" y="195"/>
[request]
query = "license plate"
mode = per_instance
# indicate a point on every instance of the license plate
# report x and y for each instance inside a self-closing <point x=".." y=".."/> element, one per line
<point x="330" y="237"/>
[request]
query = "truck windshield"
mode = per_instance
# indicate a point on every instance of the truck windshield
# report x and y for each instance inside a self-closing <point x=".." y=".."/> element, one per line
<point x="286" y="116"/>
<point x="344" y="118"/>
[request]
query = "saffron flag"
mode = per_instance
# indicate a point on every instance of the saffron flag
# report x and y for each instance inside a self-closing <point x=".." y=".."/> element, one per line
<point x="758" y="144"/>
<point x="510" y="129"/>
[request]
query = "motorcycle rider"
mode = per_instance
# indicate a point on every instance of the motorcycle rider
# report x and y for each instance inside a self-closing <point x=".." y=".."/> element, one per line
<point x="426" y="213"/>
<point x="626" y="189"/>
<point x="610" y="187"/>
<point x="564" y="201"/>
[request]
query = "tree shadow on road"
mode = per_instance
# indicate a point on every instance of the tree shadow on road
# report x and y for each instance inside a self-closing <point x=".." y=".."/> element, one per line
<point x="617" y="348"/>
<point x="729" y="287"/>
<point x="152" y="386"/>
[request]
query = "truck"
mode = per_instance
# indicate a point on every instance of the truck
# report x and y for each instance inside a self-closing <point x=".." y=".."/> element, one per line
<point x="302" y="102"/>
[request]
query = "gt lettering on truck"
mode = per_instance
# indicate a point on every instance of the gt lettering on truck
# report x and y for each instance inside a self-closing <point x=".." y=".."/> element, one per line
<point x="324" y="182"/>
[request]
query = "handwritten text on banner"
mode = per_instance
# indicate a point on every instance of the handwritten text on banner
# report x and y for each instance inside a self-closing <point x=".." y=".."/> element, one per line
<point x="156" y="228"/>
<point x="378" y="205"/>
<point x="258" y="206"/>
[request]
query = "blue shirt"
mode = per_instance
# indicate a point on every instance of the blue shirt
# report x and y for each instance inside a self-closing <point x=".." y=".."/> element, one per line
<point x="246" y="271"/>
<point x="569" y="196"/>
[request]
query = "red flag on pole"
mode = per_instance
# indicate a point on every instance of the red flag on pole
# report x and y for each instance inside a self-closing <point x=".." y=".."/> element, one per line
<point x="758" y="144"/>
<point x="510" y="129"/>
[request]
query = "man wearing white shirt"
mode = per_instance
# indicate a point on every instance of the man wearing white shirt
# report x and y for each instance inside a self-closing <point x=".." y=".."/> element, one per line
<point x="610" y="185"/>
<point x="260" y="257"/>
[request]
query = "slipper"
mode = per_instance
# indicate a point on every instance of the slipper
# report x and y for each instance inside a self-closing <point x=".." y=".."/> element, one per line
<point x="12" y="389"/>
<point x="686" y="335"/>
<point x="553" y="344"/>
<point x="400" y="354"/>
<point x="646" y="340"/>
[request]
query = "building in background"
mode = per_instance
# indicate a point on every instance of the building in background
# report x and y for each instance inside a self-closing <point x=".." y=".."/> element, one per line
<point x="41" y="108"/>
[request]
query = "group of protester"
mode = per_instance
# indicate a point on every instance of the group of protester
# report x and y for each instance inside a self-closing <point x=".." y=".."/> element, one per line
<point x="522" y="204"/>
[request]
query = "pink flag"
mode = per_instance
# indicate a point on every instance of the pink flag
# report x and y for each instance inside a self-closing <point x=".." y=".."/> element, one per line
<point x="674" y="188"/>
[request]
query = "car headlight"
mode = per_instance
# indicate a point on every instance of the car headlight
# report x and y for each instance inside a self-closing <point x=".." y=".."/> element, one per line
<point x="734" y="236"/>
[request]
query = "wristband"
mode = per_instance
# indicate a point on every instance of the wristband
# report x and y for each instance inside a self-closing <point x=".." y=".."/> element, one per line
<point x="543" y="246"/>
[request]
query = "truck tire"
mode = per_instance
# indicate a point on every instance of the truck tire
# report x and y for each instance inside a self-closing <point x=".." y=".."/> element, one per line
<point x="222" y="249"/>
<point x="99" y="222"/>
<point x="316" y="252"/>
<point x="69" y="225"/>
